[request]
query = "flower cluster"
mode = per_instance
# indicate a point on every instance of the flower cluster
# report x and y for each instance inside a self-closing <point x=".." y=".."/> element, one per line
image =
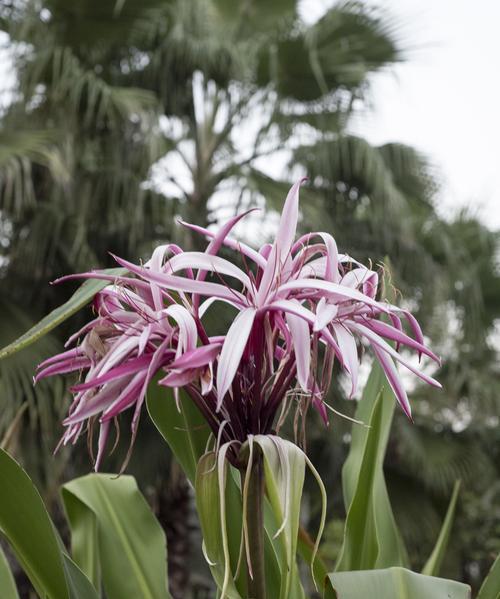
<point x="300" y="307"/>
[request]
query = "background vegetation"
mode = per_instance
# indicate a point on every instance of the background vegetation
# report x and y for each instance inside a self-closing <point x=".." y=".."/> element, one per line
<point x="126" y="115"/>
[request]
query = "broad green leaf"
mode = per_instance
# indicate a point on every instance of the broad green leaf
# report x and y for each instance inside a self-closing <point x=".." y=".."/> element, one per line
<point x="490" y="589"/>
<point x="130" y="540"/>
<point x="433" y="564"/>
<point x="7" y="583"/>
<point x="392" y="583"/>
<point x="184" y="428"/>
<point x="80" y="298"/>
<point x="84" y="537"/>
<point x="371" y="538"/>
<point x="26" y="524"/>
<point x="79" y="585"/>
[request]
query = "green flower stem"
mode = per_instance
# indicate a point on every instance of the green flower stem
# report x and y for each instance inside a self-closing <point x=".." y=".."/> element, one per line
<point x="255" y="527"/>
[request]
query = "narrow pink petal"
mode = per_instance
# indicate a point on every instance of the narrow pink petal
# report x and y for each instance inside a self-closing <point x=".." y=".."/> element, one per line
<point x="232" y="351"/>
<point x="280" y="252"/>
<point x="179" y="379"/>
<point x="393" y="378"/>
<point x="302" y="346"/>
<point x="188" y="332"/>
<point x="326" y="287"/>
<point x="394" y="334"/>
<point x="205" y="262"/>
<point x="292" y="307"/>
<point x="347" y="345"/>
<point x="97" y="403"/>
<point x="383" y="345"/>
<point x="130" y="367"/>
<point x="144" y="338"/>
<point x="325" y="313"/>
<point x="231" y="243"/>
<point x="183" y="284"/>
<point x="127" y="398"/>
<point x="195" y="358"/>
<point x="63" y="368"/>
<point x="103" y="438"/>
<point x="71" y="353"/>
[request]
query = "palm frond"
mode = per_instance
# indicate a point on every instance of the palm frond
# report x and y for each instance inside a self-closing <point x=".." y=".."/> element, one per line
<point x="19" y="151"/>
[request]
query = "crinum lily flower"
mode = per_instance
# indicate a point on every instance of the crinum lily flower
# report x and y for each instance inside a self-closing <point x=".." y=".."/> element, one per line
<point x="296" y="300"/>
<point x="300" y="306"/>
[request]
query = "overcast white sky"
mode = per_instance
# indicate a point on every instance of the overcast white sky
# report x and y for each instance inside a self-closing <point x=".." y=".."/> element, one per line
<point x="445" y="99"/>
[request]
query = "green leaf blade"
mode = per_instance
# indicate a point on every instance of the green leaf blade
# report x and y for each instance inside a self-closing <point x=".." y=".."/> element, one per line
<point x="7" y="583"/>
<point x="130" y="539"/>
<point x="29" y="530"/>
<point x="80" y="298"/>
<point x="393" y="583"/>
<point x="433" y="564"/>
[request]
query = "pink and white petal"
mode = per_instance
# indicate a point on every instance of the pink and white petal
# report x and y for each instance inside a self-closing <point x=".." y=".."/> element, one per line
<point x="205" y="262"/>
<point x="327" y="288"/>
<point x="289" y="306"/>
<point x="176" y="283"/>
<point x="383" y="345"/>
<point x="325" y="313"/>
<point x="392" y="375"/>
<point x="349" y="350"/>
<point x="301" y="337"/>
<point x="188" y="333"/>
<point x="394" y="334"/>
<point x="179" y="378"/>
<point x="234" y="244"/>
<point x="232" y="351"/>
<point x="200" y="356"/>
<point x="103" y="438"/>
<point x="280" y="252"/>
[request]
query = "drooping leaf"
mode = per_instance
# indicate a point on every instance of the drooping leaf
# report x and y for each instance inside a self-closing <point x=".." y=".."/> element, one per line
<point x="7" y="583"/>
<point x="490" y="589"/>
<point x="392" y="583"/>
<point x="433" y="564"/>
<point x="210" y="503"/>
<point x="79" y="299"/>
<point x="27" y="527"/>
<point x="129" y="538"/>
<point x="284" y="470"/>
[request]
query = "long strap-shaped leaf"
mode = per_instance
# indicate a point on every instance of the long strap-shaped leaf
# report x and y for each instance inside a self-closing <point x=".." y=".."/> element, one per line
<point x="122" y="531"/>
<point x="7" y="583"/>
<point x="371" y="538"/>
<point x="25" y="523"/>
<point x="392" y="583"/>
<point x="433" y="564"/>
<point x="490" y="589"/>
<point x="80" y="298"/>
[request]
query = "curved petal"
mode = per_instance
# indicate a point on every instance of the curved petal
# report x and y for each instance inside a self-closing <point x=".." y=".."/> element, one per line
<point x="383" y="345"/>
<point x="302" y="346"/>
<point x="232" y="350"/>
<point x="347" y="345"/>
<point x="392" y="375"/>
<point x="322" y="287"/>
<point x="182" y="284"/>
<point x="205" y="262"/>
